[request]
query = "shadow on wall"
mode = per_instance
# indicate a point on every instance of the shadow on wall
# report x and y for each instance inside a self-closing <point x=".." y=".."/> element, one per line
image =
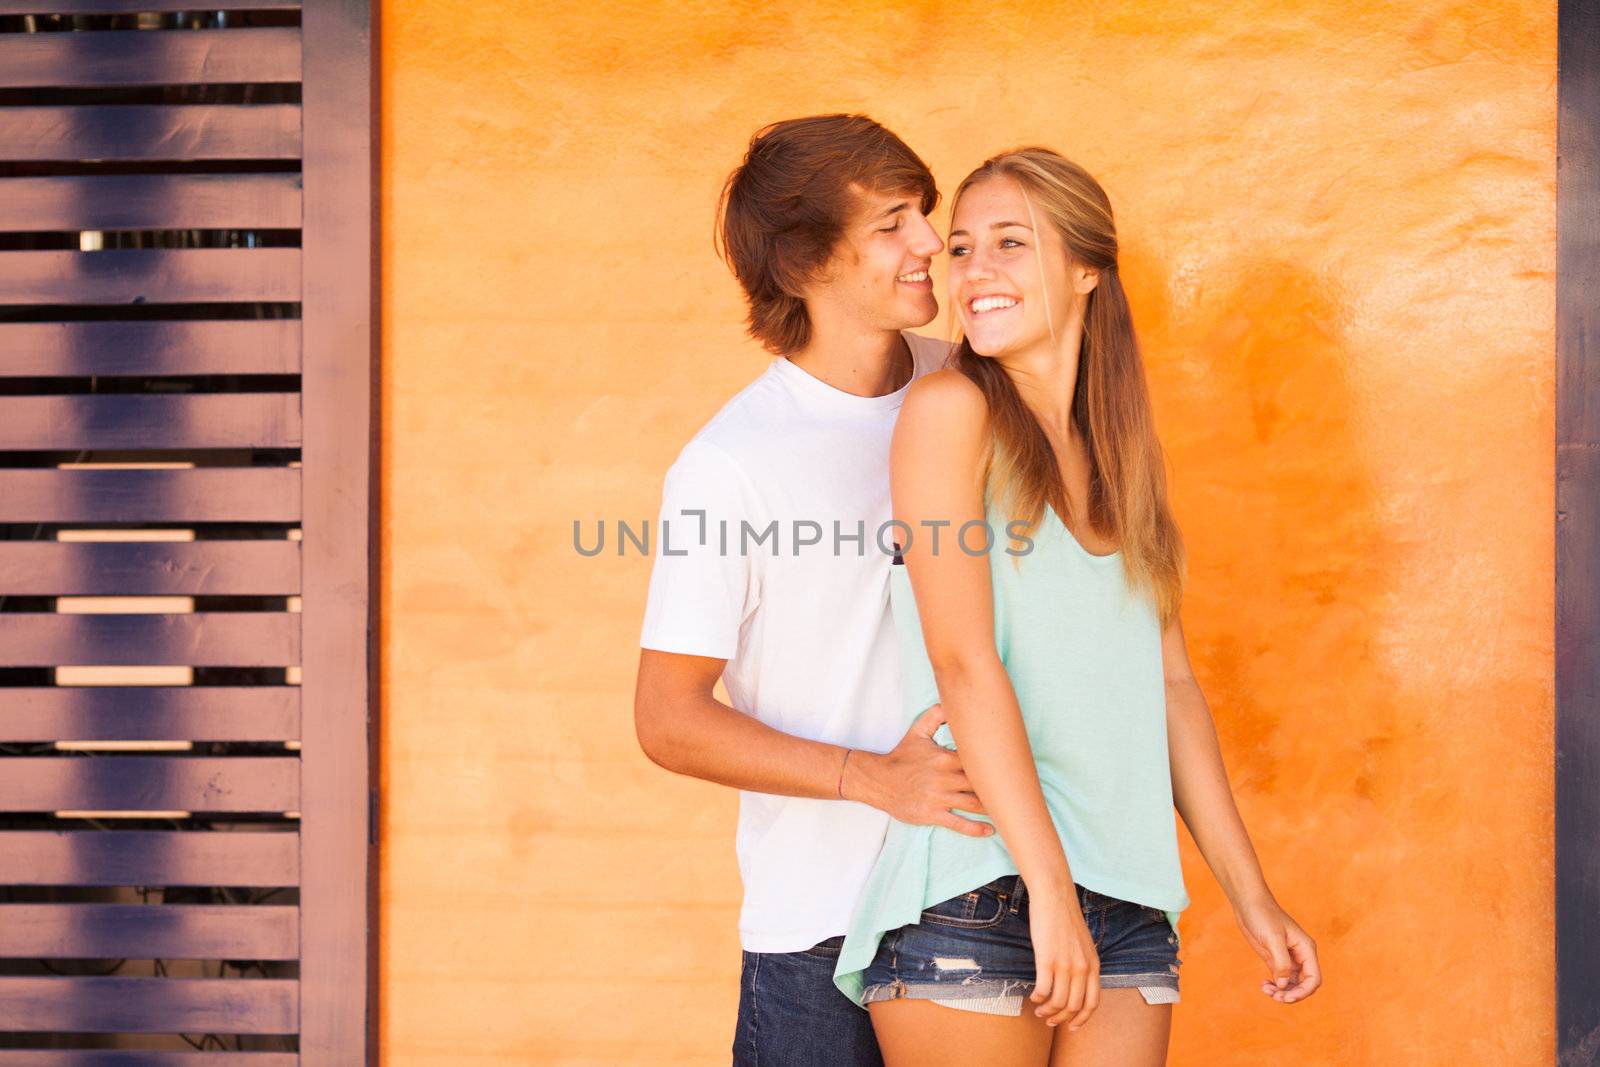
<point x="1289" y="574"/>
<point x="1292" y="557"/>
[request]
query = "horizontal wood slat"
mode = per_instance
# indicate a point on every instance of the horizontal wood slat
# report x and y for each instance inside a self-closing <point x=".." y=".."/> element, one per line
<point x="151" y="201"/>
<point x="150" y="568"/>
<point x="140" y="57"/>
<point x="192" y="639"/>
<point x="111" y="349"/>
<point x="205" y="494"/>
<point x="246" y="859"/>
<point x="153" y="131"/>
<point x="149" y="931"/>
<point x="142" y="421"/>
<point x="150" y="713"/>
<point x="143" y="1057"/>
<point x="149" y="783"/>
<point x="150" y="1005"/>
<point x="150" y="276"/>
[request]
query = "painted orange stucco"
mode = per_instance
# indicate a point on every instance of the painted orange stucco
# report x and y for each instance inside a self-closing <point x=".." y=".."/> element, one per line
<point x="1338" y="237"/>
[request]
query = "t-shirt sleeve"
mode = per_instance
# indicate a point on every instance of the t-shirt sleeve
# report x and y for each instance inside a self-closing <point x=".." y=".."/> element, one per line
<point x="701" y="585"/>
<point x="929" y="354"/>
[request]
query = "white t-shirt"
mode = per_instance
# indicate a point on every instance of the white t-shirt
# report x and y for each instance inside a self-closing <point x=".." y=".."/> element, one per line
<point x="805" y="627"/>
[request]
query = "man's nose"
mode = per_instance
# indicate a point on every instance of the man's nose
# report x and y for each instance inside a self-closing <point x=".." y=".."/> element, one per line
<point x="929" y="243"/>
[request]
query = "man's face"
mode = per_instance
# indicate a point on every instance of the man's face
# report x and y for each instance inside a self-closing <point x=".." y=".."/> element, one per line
<point x="878" y="276"/>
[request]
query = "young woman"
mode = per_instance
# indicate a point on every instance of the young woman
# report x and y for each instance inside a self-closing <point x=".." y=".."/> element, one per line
<point x="1047" y="571"/>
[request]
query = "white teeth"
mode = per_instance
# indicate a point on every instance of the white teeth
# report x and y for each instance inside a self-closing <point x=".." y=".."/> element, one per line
<point x="918" y="276"/>
<point x="992" y="303"/>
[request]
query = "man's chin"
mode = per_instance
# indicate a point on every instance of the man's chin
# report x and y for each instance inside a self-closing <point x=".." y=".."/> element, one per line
<point x="921" y="317"/>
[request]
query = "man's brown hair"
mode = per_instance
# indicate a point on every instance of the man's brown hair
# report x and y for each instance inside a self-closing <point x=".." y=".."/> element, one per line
<point x="784" y="207"/>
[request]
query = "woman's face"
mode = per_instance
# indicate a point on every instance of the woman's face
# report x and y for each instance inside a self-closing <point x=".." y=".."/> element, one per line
<point x="1004" y="305"/>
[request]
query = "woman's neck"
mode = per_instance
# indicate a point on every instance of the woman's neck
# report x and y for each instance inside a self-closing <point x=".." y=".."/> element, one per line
<point x="1046" y="378"/>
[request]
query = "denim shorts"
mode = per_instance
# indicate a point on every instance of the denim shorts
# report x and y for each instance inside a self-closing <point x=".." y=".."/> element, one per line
<point x="973" y="951"/>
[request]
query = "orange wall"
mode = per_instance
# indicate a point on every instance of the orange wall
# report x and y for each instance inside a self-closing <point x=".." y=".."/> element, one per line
<point x="1338" y="223"/>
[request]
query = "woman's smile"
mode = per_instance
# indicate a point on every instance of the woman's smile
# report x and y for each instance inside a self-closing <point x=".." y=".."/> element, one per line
<point x="981" y="305"/>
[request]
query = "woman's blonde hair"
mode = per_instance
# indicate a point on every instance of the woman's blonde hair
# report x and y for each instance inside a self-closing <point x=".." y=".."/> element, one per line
<point x="1111" y="401"/>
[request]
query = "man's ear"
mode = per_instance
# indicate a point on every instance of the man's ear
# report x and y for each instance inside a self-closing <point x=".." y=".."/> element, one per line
<point x="820" y="279"/>
<point x="844" y="254"/>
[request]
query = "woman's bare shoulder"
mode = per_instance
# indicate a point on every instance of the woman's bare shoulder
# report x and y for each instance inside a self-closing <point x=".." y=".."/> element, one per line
<point x="945" y="396"/>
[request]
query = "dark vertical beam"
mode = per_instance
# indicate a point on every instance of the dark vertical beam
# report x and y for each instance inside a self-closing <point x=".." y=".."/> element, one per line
<point x="1578" y="537"/>
<point x="338" y="1017"/>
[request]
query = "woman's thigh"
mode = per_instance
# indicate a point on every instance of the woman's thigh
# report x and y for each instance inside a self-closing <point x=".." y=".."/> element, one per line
<point x="1124" y="1031"/>
<point x="920" y="1033"/>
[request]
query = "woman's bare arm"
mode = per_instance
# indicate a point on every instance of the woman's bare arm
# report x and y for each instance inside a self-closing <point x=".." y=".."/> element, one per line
<point x="935" y="467"/>
<point x="935" y="470"/>
<point x="1200" y="786"/>
<point x="1204" y="799"/>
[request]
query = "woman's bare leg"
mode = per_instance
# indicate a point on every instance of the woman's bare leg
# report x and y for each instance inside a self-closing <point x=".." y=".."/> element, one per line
<point x="1124" y="1031"/>
<point x="920" y="1033"/>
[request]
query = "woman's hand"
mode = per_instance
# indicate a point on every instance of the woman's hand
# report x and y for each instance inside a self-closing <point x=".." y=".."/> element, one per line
<point x="1289" y="952"/>
<point x="1067" y="967"/>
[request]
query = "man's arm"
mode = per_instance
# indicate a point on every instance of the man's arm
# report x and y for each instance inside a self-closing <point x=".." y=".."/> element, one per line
<point x="683" y="727"/>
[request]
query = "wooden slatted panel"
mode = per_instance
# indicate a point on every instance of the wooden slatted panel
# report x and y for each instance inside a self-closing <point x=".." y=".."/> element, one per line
<point x="145" y="568"/>
<point x="197" y="639"/>
<point x="149" y="783"/>
<point x="143" y="1058"/>
<point x="150" y="857"/>
<point x="138" y="57"/>
<point x="193" y="420"/>
<point x="150" y="275"/>
<point x="41" y="414"/>
<point x="143" y="132"/>
<point x="150" y="713"/>
<point x="150" y="931"/>
<point x="150" y="496"/>
<point x="112" y="7"/>
<point x="150" y="202"/>
<point x="149" y="1005"/>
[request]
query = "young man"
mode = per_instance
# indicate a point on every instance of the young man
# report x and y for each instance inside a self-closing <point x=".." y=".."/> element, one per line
<point x="772" y="569"/>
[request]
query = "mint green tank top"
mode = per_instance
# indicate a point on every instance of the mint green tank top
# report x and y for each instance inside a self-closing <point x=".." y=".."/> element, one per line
<point x="1083" y="653"/>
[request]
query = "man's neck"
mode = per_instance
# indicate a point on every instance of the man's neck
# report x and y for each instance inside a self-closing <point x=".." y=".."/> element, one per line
<point x="873" y="363"/>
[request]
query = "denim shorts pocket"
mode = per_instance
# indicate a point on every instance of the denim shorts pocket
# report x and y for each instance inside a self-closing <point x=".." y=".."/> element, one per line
<point x="976" y="910"/>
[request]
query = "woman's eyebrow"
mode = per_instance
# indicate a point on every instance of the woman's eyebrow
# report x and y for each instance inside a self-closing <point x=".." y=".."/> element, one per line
<point x="992" y="226"/>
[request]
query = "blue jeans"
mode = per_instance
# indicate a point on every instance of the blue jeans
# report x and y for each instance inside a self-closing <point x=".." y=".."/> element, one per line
<point x="792" y="1015"/>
